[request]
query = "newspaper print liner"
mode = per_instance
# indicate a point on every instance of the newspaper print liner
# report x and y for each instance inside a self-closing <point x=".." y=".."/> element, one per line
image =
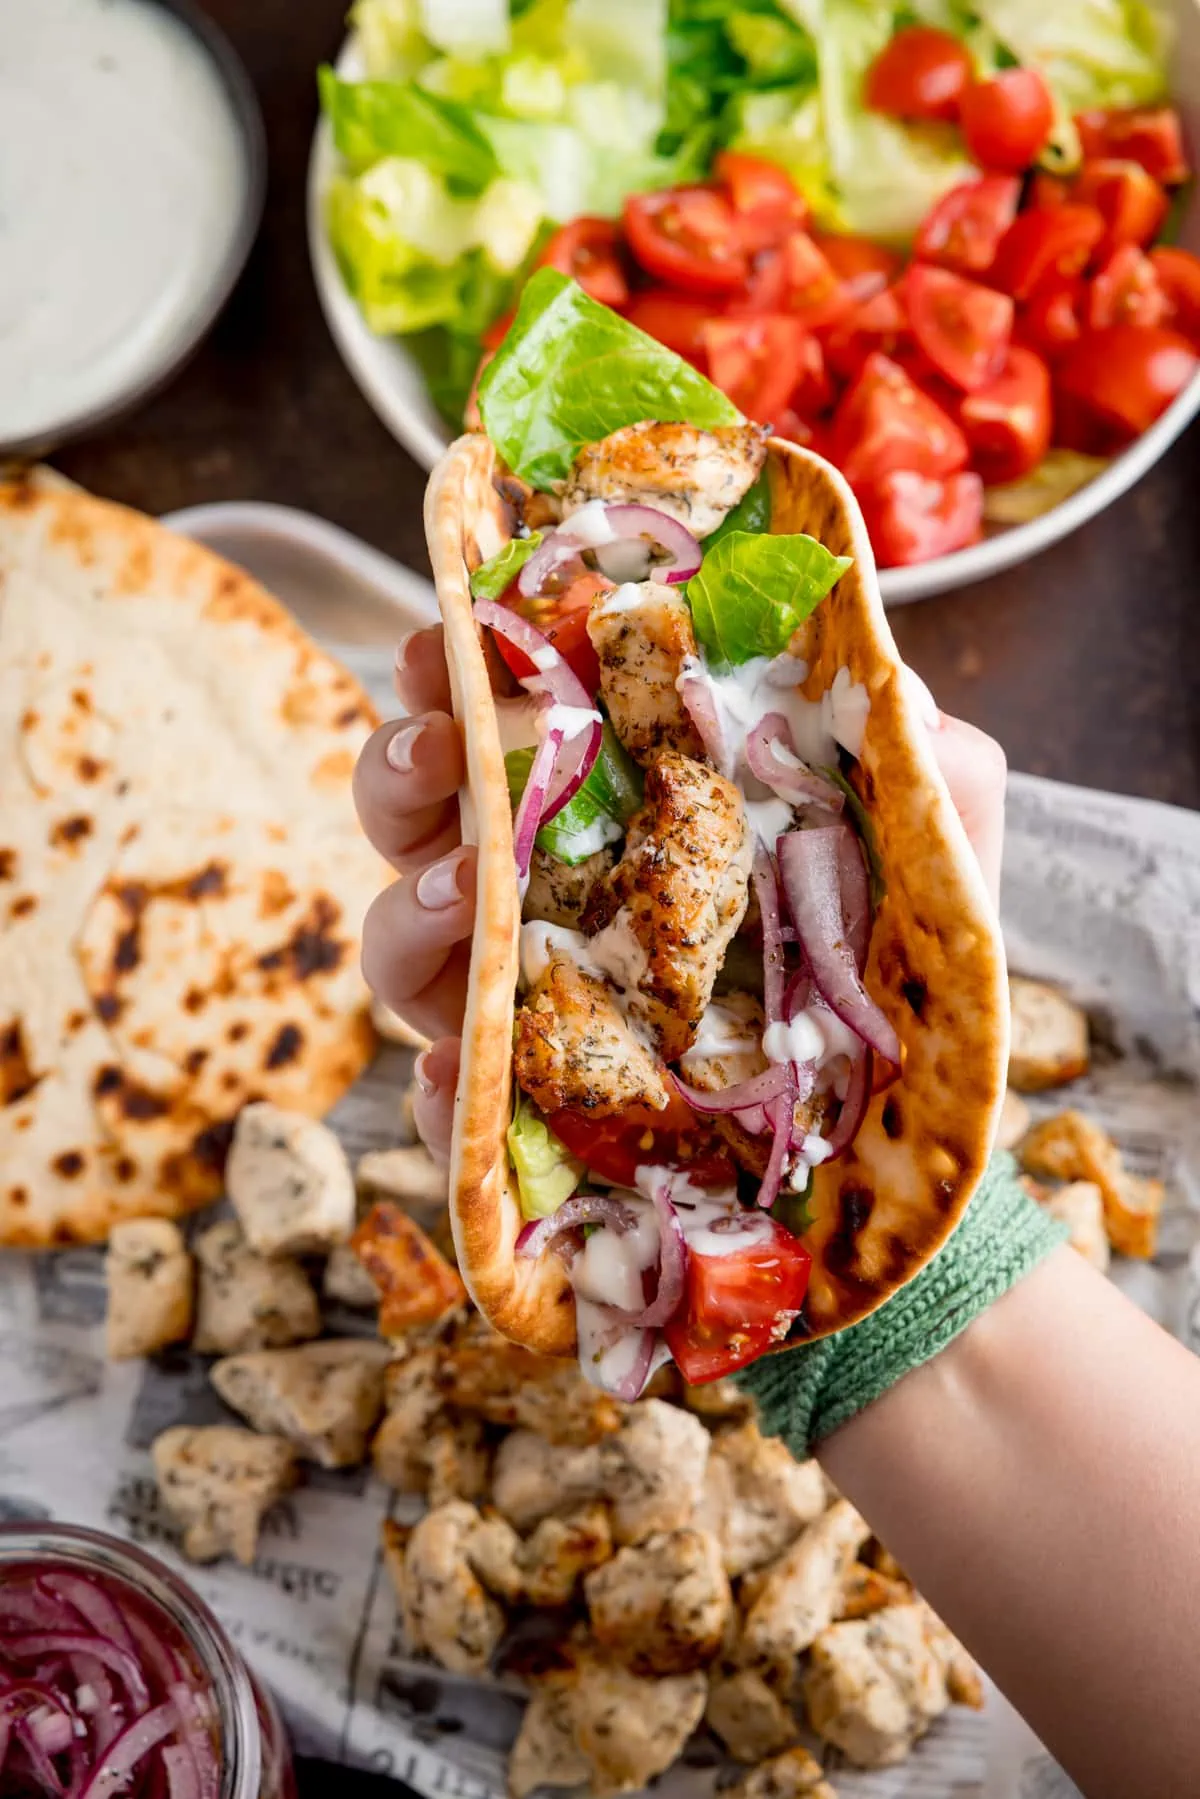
<point x="936" y="963"/>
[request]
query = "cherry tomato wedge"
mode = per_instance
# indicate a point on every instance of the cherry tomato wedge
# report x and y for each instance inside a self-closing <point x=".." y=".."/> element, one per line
<point x="766" y="363"/>
<point x="921" y="73"/>
<point x="1042" y="241"/>
<point x="687" y="237"/>
<point x="879" y="323"/>
<point x="863" y="268"/>
<point x="1007" y="120"/>
<point x="1007" y="423"/>
<point x="615" y="1148"/>
<point x="962" y="327"/>
<point x="562" y="616"/>
<point x="1151" y="135"/>
<point x="736" y="1305"/>
<point x="1126" y="290"/>
<point x="1116" y="381"/>
<point x="963" y="231"/>
<point x="589" y="250"/>
<point x="674" y="319"/>
<point x="1179" y="276"/>
<point x="811" y="288"/>
<point x="1132" y="205"/>
<point x="1052" y="318"/>
<point x="764" y="198"/>
<point x="913" y="517"/>
<point x="884" y="422"/>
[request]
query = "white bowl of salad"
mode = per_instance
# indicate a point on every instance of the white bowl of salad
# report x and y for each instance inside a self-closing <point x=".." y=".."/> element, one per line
<point x="948" y="245"/>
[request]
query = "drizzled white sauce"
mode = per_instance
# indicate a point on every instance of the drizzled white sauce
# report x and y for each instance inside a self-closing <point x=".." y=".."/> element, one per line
<point x="613" y="952"/>
<point x="572" y="721"/>
<point x="743" y="696"/>
<point x="721" y="1033"/>
<point x="625" y="598"/>
<point x="589" y="525"/>
<point x="609" y="1267"/>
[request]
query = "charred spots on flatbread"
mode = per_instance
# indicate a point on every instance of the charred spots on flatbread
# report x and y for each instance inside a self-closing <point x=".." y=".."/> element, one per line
<point x="23" y="905"/>
<point x="855" y="1204"/>
<point x="285" y="1047"/>
<point x="69" y="832"/>
<point x="18" y="1197"/>
<point x="893" y="1123"/>
<point x="8" y="865"/>
<point x="81" y="699"/>
<point x="210" y="1146"/>
<point x="194" y="1061"/>
<point x="135" y="1102"/>
<point x="69" y="1165"/>
<point x="108" y="1007"/>
<point x="311" y="949"/>
<point x="238" y="1031"/>
<point x="18" y="1077"/>
<point x="195" y="1000"/>
<point x="277" y="894"/>
<point x="124" y="1168"/>
<point x="915" y="994"/>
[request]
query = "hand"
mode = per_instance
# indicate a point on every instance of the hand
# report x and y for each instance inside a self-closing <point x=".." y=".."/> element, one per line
<point x="417" y="934"/>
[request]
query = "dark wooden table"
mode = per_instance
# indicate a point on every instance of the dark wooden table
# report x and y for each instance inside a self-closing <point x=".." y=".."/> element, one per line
<point x="1084" y="663"/>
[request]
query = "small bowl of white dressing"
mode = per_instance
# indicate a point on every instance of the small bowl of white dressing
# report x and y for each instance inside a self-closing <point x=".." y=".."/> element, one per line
<point x="132" y="178"/>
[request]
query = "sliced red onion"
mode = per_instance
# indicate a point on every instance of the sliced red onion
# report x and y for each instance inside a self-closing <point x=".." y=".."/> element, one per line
<point x="766" y="890"/>
<point x="810" y="863"/>
<point x="198" y="1741"/>
<point x="854" y="1107"/>
<point x="753" y="1119"/>
<point x="701" y="706"/>
<point x="183" y="1779"/>
<point x="672" y="1266"/>
<point x="532" y="804"/>
<point x="856" y="895"/>
<point x="799" y="991"/>
<point x="554" y="677"/>
<point x="780" y="1113"/>
<point x="584" y="1208"/>
<point x="771" y="754"/>
<point x="625" y="525"/>
<point x="38" y="1757"/>
<point x="68" y="1643"/>
<point x="133" y="1743"/>
<point x="630" y="1386"/>
<point x="756" y="1091"/>
<point x="52" y="1728"/>
<point x="629" y="522"/>
<point x="93" y="1605"/>
<point x="557" y="550"/>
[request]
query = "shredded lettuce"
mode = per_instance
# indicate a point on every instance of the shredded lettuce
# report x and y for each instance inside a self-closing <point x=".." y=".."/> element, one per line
<point x="466" y="27"/>
<point x="547" y="1174"/>
<point x="390" y="37"/>
<point x="492" y="577"/>
<point x="752" y="592"/>
<point x="570" y="371"/>
<point x="374" y="119"/>
<point x="1092" y="52"/>
<point x="597" y="814"/>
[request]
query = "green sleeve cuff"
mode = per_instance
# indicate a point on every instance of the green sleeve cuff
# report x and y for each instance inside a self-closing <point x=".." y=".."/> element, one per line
<point x="805" y="1394"/>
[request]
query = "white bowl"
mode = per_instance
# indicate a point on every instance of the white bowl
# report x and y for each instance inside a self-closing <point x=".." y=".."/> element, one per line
<point x="391" y="380"/>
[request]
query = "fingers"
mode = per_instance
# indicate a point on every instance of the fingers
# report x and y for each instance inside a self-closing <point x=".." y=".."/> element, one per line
<point x="417" y="943"/>
<point x="405" y="788"/>
<point x="433" y="1102"/>
<point x="421" y="678"/>
<point x="975" y="771"/>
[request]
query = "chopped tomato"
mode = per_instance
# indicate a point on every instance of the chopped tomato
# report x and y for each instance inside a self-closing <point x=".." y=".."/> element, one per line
<point x="615" y="1148"/>
<point x="736" y="1305"/>
<point x="879" y="323"/>
<point x="1179" y="276"/>
<point x="884" y="422"/>
<point x="912" y="517"/>
<point x="796" y="278"/>
<point x="562" y="616"/>
<point x="1130" y="203"/>
<point x="1116" y="381"/>
<point x="1007" y="423"/>
<point x="1126" y="290"/>
<point x="765" y="364"/>
<point x="687" y="237"/>
<point x="763" y="197"/>
<point x="674" y="319"/>
<point x="1007" y="120"/>
<point x="1052" y="318"/>
<point x="1045" y="240"/>
<point x="863" y="268"/>
<point x="589" y="250"/>
<point x="1150" y="135"/>
<point x="963" y="231"/>
<point x="961" y="326"/>
<point x="1047" y="190"/>
<point x="497" y="331"/>
<point x="921" y="73"/>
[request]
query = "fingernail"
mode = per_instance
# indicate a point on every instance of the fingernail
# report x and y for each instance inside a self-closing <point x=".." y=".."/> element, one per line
<point x="438" y="887"/>
<point x="425" y="1080"/>
<point x="400" y="747"/>
<point x="402" y="649"/>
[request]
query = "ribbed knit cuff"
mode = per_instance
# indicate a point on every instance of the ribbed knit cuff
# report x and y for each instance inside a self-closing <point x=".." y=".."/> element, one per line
<point x="805" y="1394"/>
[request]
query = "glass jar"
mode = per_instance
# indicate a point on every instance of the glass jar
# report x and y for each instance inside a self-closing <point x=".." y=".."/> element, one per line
<point x="252" y="1747"/>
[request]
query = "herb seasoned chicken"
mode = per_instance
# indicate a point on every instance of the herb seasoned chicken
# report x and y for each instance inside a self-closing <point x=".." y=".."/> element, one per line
<point x="512" y="1386"/>
<point x="682" y="887"/>
<point x="796" y="1597"/>
<point x="628" y="1727"/>
<point x="642" y="635"/>
<point x="573" y="1048"/>
<point x="692" y="475"/>
<point x="757" y="1499"/>
<point x="874" y="1685"/>
<point x="751" y="1718"/>
<point x="443" y="1604"/>
<point x="662" y="1606"/>
<point x="558" y="893"/>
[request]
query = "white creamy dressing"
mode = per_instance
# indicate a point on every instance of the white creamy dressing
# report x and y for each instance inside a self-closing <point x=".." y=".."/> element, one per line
<point x="721" y="1033"/>
<point x="613" y="952"/>
<point x="122" y="170"/>
<point x="743" y="696"/>
<point x="589" y="525"/>
<point x="625" y="598"/>
<point x="602" y="1361"/>
<point x="608" y="1269"/>
<point x="814" y="1035"/>
<point x="572" y="721"/>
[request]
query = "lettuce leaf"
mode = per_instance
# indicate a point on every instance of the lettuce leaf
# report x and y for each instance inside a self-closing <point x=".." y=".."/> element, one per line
<point x="390" y="37"/>
<point x="597" y="814"/>
<point x="752" y="513"/>
<point x="547" y="1174"/>
<point x="373" y="119"/>
<point x="751" y="593"/>
<point x="570" y="371"/>
<point x="1092" y="52"/>
<point x="492" y="577"/>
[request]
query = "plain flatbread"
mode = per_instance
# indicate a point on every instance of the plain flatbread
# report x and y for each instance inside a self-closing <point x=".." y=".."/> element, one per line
<point x="936" y="963"/>
<point x="182" y="877"/>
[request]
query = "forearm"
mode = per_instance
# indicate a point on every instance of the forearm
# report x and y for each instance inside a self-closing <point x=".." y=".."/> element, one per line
<point x="1040" y="1481"/>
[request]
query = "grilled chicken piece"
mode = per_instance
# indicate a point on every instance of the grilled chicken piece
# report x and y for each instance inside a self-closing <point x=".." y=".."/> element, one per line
<point x="664" y="1605"/>
<point x="874" y="1685"/>
<point x="793" y="1775"/>
<point x="757" y="1499"/>
<point x="642" y="648"/>
<point x="558" y="894"/>
<point x="545" y="1753"/>
<point x="1049" y="1037"/>
<point x="444" y="1607"/>
<point x="866" y="1590"/>
<point x="681" y="889"/>
<point x="512" y="1386"/>
<point x="692" y="475"/>
<point x="545" y="1568"/>
<point x="628" y="1728"/>
<point x="751" y="1718"/>
<point x="797" y="1596"/>
<point x="573" y="1048"/>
